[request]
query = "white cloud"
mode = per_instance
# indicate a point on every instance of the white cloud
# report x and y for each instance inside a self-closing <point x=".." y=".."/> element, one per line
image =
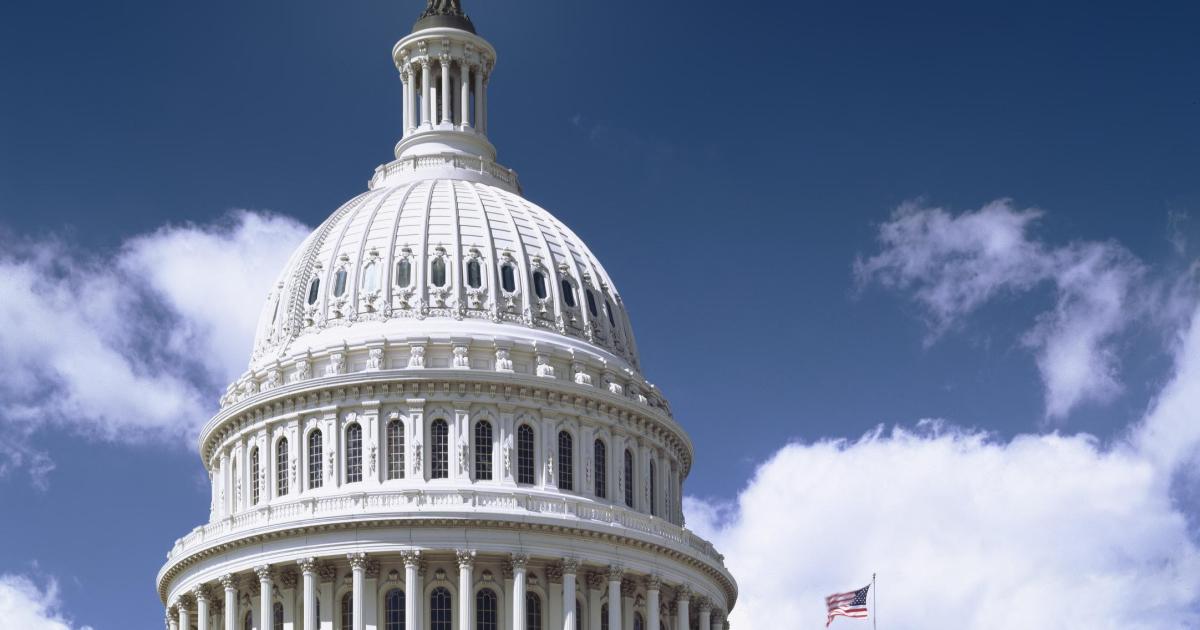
<point x="135" y="346"/>
<point x="954" y="264"/>
<point x="28" y="606"/>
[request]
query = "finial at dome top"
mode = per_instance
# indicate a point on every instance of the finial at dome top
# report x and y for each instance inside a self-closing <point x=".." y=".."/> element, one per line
<point x="444" y="13"/>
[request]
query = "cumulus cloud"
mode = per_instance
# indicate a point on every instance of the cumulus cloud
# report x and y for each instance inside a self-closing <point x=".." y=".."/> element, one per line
<point x="27" y="605"/>
<point x="134" y="346"/>
<point x="952" y="265"/>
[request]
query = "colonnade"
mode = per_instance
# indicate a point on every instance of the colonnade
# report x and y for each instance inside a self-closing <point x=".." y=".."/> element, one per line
<point x="634" y="602"/>
<point x="422" y="95"/>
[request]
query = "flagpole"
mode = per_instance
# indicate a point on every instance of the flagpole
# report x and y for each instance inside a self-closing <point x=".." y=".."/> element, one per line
<point x="874" y="608"/>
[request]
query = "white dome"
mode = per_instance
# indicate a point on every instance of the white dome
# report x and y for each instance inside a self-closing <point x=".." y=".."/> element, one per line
<point x="422" y="258"/>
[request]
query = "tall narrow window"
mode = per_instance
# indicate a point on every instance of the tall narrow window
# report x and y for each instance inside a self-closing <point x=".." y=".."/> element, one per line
<point x="600" y="455"/>
<point x="339" y="282"/>
<point x="639" y="622"/>
<point x="566" y="464"/>
<point x="277" y="616"/>
<point x="591" y="300"/>
<point x="348" y="611"/>
<point x="568" y="293"/>
<point x="628" y="478"/>
<point x="439" y="450"/>
<point x="474" y="274"/>
<point x="524" y="454"/>
<point x="395" y="449"/>
<point x="254" y="488"/>
<point x="371" y="277"/>
<point x="653" y="490"/>
<point x="439" y="609"/>
<point x="403" y="273"/>
<point x="604" y="617"/>
<point x="508" y="278"/>
<point x="314" y="291"/>
<point x="608" y="308"/>
<point x="281" y="467"/>
<point x="539" y="285"/>
<point x="438" y="272"/>
<point x="483" y="451"/>
<point x="487" y="613"/>
<point x="533" y="611"/>
<point x="354" y="453"/>
<point x="315" y="453"/>
<point x="393" y="610"/>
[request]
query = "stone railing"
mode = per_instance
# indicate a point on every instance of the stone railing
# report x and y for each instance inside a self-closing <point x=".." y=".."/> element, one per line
<point x="449" y="502"/>
<point x="459" y="161"/>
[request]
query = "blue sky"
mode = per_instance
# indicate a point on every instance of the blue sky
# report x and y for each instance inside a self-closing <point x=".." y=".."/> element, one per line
<point x="729" y="164"/>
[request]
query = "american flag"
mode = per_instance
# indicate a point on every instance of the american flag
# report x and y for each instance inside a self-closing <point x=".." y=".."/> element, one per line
<point x="852" y="604"/>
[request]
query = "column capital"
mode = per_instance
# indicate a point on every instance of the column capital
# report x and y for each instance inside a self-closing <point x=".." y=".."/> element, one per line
<point x="358" y="561"/>
<point x="704" y="605"/>
<point x="308" y="566"/>
<point x="653" y="582"/>
<point x="200" y="593"/>
<point x="570" y="566"/>
<point x="615" y="573"/>
<point x="228" y="582"/>
<point x="264" y="573"/>
<point x="465" y="557"/>
<point x="683" y="594"/>
<point x="411" y="558"/>
<point x="184" y="603"/>
<point x="519" y="561"/>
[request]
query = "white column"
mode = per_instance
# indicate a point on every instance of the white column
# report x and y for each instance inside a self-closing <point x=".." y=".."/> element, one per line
<point x="200" y="594"/>
<point x="518" y="591"/>
<point x="478" y="98"/>
<point x="426" y="92"/>
<point x="615" y="574"/>
<point x="628" y="590"/>
<point x="683" y="596"/>
<point x="466" y="584"/>
<point x="308" y="572"/>
<point x="447" y="90"/>
<point x="358" y="571"/>
<point x="570" y="567"/>
<point x="705" y="616"/>
<point x="172" y="618"/>
<point x="464" y="80"/>
<point x="230" y="585"/>
<point x="412" y="588"/>
<point x="717" y="622"/>
<point x="265" y="598"/>
<point x="595" y="584"/>
<point x="185" y="621"/>
<point x="653" y="585"/>
<point x="407" y="82"/>
<point x="484" y="126"/>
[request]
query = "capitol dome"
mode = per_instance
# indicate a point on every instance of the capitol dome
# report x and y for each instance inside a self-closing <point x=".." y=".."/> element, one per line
<point x="444" y="424"/>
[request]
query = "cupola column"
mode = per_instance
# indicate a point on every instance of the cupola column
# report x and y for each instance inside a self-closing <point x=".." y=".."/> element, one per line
<point x="705" y="617"/>
<point x="466" y="580"/>
<point x="518" y="591"/>
<point x="464" y="80"/>
<point x="569" y="566"/>
<point x="200" y="594"/>
<point x="230" y="586"/>
<point x="479" y="98"/>
<point x="653" y="586"/>
<point x="406" y="78"/>
<point x="447" y="92"/>
<point x="615" y="574"/>
<point x="426" y="90"/>
<point x="265" y="598"/>
<point x="358" y="571"/>
<point x="412" y="588"/>
<point x="308" y="573"/>
<point x="185" y="618"/>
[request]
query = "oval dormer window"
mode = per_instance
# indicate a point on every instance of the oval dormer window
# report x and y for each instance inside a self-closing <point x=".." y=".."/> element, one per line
<point x="539" y="285"/>
<point x="474" y="275"/>
<point x="438" y="272"/>
<point x="403" y="273"/>
<point x="339" y="283"/>
<point x="568" y="293"/>
<point x="508" y="278"/>
<point x="591" y="300"/>
<point x="314" y="291"/>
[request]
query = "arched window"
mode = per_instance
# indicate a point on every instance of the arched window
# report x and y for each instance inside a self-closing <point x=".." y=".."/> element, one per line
<point x="591" y="301"/>
<point x="566" y="464"/>
<point x="438" y="272"/>
<point x="474" y="274"/>
<point x="533" y="611"/>
<point x="315" y="453"/>
<point x="539" y="285"/>
<point x="653" y="490"/>
<point x="281" y="467"/>
<point x="393" y="610"/>
<point x="508" y="278"/>
<point x="639" y="622"/>
<point x="483" y="450"/>
<point x="628" y="478"/>
<point x="608" y="308"/>
<point x="371" y="277"/>
<point x="600" y="451"/>
<point x="439" y="450"/>
<point x="568" y="291"/>
<point x="487" y="615"/>
<point x="354" y="453"/>
<point x="524" y="454"/>
<point x="339" y="282"/>
<point x="248" y="622"/>
<point x="277" y="616"/>
<point x="395" y="449"/>
<point x="348" y="611"/>
<point x="254" y="487"/>
<point x="604" y="616"/>
<point x="403" y="273"/>
<point x="439" y="609"/>
<point x="314" y="291"/>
